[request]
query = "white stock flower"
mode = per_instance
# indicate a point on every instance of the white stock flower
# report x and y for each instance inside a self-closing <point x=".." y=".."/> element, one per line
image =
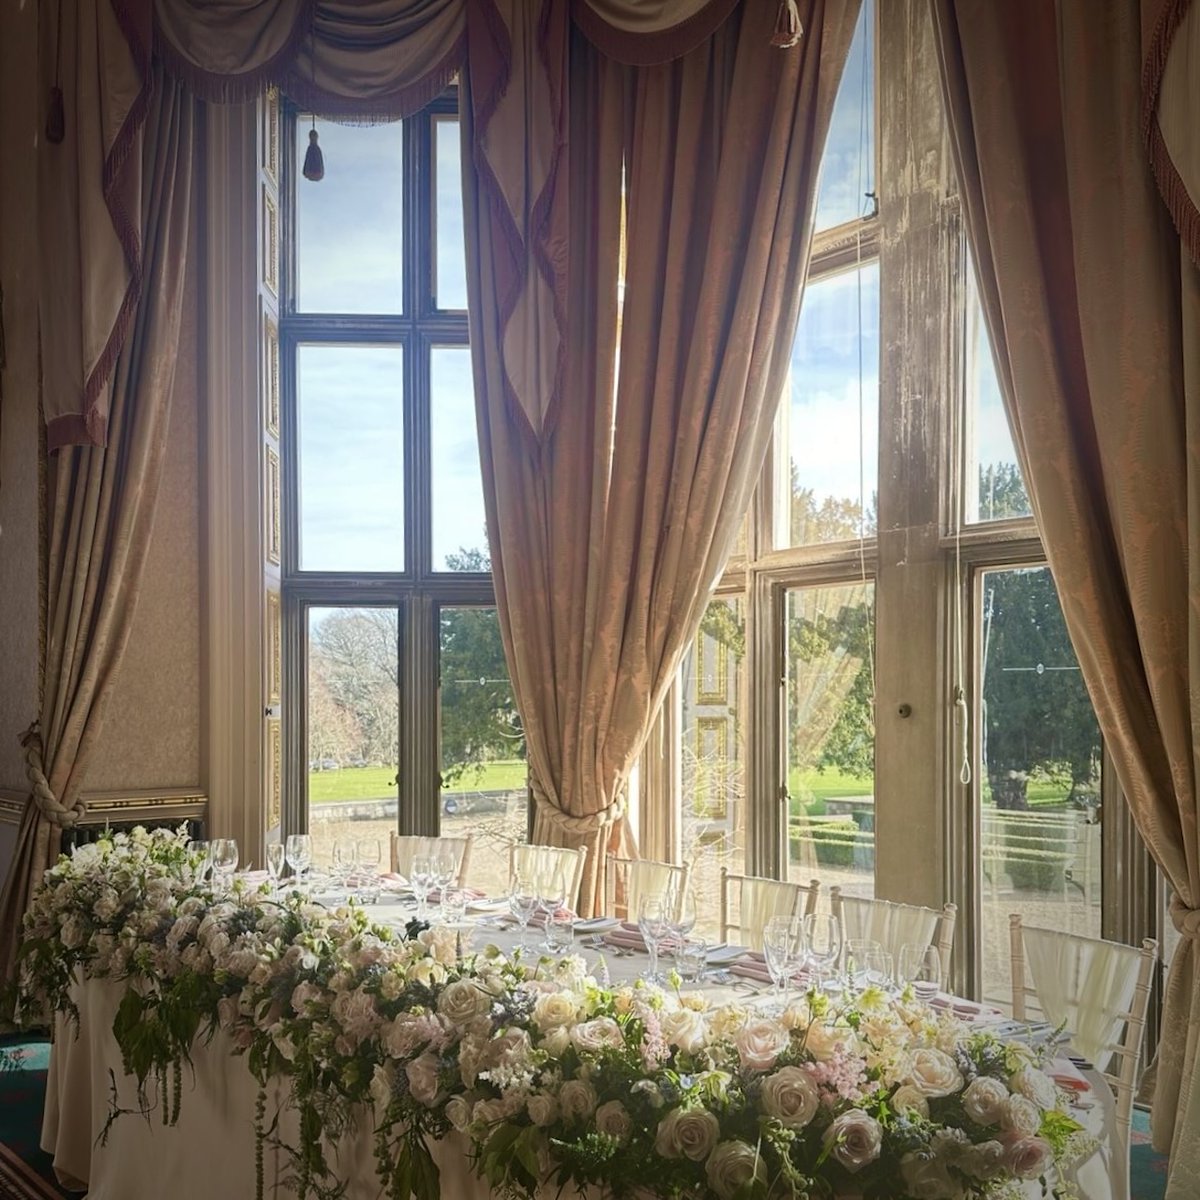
<point x="854" y="1139"/>
<point x="934" y="1073"/>
<point x="731" y="1166"/>
<point x="577" y="1099"/>
<point x="613" y="1119"/>
<point x="985" y="1100"/>
<point x="790" y="1096"/>
<point x="690" y="1133"/>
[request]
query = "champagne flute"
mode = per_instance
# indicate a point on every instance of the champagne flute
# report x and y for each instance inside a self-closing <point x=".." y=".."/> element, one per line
<point x="522" y="901"/>
<point x="275" y="859"/>
<point x="922" y="967"/>
<point x="653" y="916"/>
<point x="823" y="938"/>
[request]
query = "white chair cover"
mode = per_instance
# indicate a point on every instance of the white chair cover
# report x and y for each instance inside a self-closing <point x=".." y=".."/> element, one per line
<point x="893" y="926"/>
<point x="537" y="861"/>
<point x="644" y="877"/>
<point x="1085" y="983"/>
<point x="761" y="899"/>
<point x="406" y="848"/>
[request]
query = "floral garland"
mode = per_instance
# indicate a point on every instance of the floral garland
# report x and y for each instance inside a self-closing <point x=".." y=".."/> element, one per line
<point x="551" y="1077"/>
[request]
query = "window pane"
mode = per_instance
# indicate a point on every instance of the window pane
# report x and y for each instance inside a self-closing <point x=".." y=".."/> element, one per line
<point x="831" y="420"/>
<point x="1039" y="774"/>
<point x="353" y="727"/>
<point x="831" y="736"/>
<point x="459" y="524"/>
<point x="351" y="425"/>
<point x="349" y="231"/>
<point x="482" y="744"/>
<point x="848" y="163"/>
<point x="1000" y="489"/>
<point x="713" y="769"/>
<point x="450" y="244"/>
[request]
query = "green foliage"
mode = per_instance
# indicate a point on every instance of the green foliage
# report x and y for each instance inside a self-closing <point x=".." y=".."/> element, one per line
<point x="834" y="841"/>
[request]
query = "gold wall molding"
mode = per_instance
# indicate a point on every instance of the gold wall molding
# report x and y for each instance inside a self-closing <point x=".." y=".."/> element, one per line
<point x="12" y="805"/>
<point x="149" y="804"/>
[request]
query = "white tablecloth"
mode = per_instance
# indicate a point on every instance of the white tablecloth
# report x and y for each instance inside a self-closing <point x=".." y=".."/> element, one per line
<point x="210" y="1152"/>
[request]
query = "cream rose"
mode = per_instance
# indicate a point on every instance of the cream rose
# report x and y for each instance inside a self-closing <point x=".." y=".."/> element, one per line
<point x="577" y="1098"/>
<point x="909" y="1099"/>
<point x="984" y="1100"/>
<point x="790" y="1096"/>
<point x="1029" y="1157"/>
<point x="597" y="1034"/>
<point x="458" y="1112"/>
<point x="934" y="1073"/>
<point x="613" y="1120"/>
<point x="687" y="1134"/>
<point x="461" y="1002"/>
<point x="854" y="1139"/>
<point x="1035" y="1085"/>
<point x="760" y="1042"/>
<point x="927" y="1176"/>
<point x="543" y="1108"/>
<point x="822" y="1040"/>
<point x="686" y="1029"/>
<point x="1021" y="1116"/>
<point x="556" y="1041"/>
<point x="731" y="1166"/>
<point x="422" y="1075"/>
<point x="984" y="1161"/>
<point x="554" y="1010"/>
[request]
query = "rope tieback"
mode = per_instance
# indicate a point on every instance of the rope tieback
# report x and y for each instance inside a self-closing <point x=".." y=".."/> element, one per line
<point x="1186" y="920"/>
<point x="62" y="815"/>
<point x="578" y="827"/>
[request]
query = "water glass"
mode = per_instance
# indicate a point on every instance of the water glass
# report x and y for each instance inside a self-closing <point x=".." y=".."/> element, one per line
<point x="454" y="906"/>
<point x="225" y="861"/>
<point x="858" y="961"/>
<point x="922" y="967"/>
<point x="823" y="941"/>
<point x="560" y="932"/>
<point x="691" y="959"/>
<point x="274" y="856"/>
<point x="654" y="923"/>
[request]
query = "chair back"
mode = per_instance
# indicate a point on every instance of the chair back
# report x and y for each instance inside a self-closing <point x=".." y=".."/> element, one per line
<point x="758" y="900"/>
<point x="1100" y="991"/>
<point x="895" y="926"/>
<point x="406" y="848"/>
<point x="627" y="880"/>
<point x="529" y="859"/>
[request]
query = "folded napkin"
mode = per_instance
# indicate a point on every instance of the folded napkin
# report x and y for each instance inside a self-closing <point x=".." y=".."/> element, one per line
<point x="435" y="897"/>
<point x="1067" y="1075"/>
<point x="254" y="878"/>
<point x="752" y="966"/>
<point x="538" y="920"/>
<point x="389" y="881"/>
<point x="967" y="1010"/>
<point x="629" y="937"/>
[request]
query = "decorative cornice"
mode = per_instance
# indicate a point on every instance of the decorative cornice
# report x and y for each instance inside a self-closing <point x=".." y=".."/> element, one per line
<point x="149" y="804"/>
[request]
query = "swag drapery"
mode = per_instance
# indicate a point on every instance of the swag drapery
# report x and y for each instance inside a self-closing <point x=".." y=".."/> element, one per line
<point x="612" y="498"/>
<point x="1064" y="117"/>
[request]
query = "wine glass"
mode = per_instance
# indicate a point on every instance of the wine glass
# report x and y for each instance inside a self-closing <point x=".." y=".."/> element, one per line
<point x="522" y="901"/>
<point x="922" y="967"/>
<point x="298" y="853"/>
<point x="823" y="940"/>
<point x="445" y="872"/>
<point x="653" y="921"/>
<point x="345" y="861"/>
<point x="225" y="861"/>
<point x="783" y="950"/>
<point x="275" y="853"/>
<point x="683" y="914"/>
<point x="202" y="851"/>
<point x="370" y="859"/>
<point x="552" y="895"/>
<point x="420" y="876"/>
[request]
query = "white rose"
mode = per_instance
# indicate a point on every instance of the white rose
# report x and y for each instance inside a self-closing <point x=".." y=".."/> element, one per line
<point x="823" y="1041"/>
<point x="577" y="1098"/>
<point x="429" y="972"/>
<point x="908" y="1099"/>
<point x="687" y="1134"/>
<point x="760" y="1042"/>
<point x="934" y="1073"/>
<point x="613" y="1120"/>
<point x="1029" y="1157"/>
<point x="927" y="1176"/>
<point x="984" y="1100"/>
<point x="686" y="1029"/>
<point x="489" y="1112"/>
<point x="381" y="1086"/>
<point x="543" y="1108"/>
<point x="555" y="1042"/>
<point x="72" y="935"/>
<point x="1035" y="1085"/>
<point x="854" y="1139"/>
<point x="790" y="1096"/>
<point x="554" y="1010"/>
<point x="731" y="1166"/>
<point x="984" y="1161"/>
<point x="422" y="1075"/>
<point x="107" y="904"/>
<point x="458" y="1112"/>
<point x="1021" y="1116"/>
<point x="461" y="1002"/>
<point x="597" y="1034"/>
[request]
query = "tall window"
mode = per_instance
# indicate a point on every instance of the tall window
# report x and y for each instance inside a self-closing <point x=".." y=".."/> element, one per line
<point x="404" y="701"/>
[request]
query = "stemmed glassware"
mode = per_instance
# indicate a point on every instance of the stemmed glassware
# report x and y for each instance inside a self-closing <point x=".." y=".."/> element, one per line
<point x="420" y="876"/>
<point x="370" y="858"/>
<point x="345" y="862"/>
<point x="445" y="872"/>
<point x="552" y="895"/>
<point x="522" y="902"/>
<point x="862" y="958"/>
<point x="784" y="949"/>
<point x="823" y="941"/>
<point x="654" y="922"/>
<point x="225" y="861"/>
<point x="682" y="904"/>
<point x="298" y="853"/>
<point x="922" y="967"/>
<point x="275" y="858"/>
<point x="203" y="852"/>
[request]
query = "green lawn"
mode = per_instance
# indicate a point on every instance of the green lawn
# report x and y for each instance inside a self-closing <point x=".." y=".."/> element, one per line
<point x="375" y="783"/>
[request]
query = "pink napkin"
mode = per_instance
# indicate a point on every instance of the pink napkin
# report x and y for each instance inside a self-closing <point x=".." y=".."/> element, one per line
<point x="389" y="881"/>
<point x="629" y="937"/>
<point x="967" y="1010"/>
<point x="752" y="966"/>
<point x="435" y="897"/>
<point x="1067" y="1075"/>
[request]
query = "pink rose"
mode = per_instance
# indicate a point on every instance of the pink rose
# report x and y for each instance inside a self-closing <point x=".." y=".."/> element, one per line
<point x="760" y="1042"/>
<point x="1029" y="1157"/>
<point x="422" y="1075"/>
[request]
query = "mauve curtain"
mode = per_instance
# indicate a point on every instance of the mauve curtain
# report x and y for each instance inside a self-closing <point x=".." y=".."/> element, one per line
<point x="101" y="512"/>
<point x="1094" y="310"/>
<point x="613" y="497"/>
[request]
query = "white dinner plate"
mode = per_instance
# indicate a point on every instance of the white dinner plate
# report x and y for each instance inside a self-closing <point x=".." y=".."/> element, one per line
<point x="485" y="905"/>
<point x="726" y="954"/>
<point x="597" y="925"/>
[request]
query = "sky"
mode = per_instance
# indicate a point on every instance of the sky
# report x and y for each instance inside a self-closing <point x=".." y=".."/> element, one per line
<point x="349" y="260"/>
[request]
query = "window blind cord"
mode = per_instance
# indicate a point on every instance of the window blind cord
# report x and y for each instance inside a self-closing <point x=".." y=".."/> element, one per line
<point x="962" y="712"/>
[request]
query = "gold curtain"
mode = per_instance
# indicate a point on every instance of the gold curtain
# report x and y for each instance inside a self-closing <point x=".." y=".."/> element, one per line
<point x="101" y="512"/>
<point x="614" y="497"/>
<point x="1093" y="306"/>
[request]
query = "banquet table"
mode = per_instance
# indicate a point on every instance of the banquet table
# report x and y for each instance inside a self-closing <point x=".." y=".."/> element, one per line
<point x="210" y="1152"/>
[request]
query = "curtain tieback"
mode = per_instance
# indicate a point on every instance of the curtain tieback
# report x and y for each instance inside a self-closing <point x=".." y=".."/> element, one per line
<point x="35" y="771"/>
<point x="580" y="827"/>
<point x="1186" y="920"/>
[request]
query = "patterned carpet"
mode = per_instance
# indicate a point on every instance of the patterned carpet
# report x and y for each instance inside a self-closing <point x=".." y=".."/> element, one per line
<point x="25" y="1171"/>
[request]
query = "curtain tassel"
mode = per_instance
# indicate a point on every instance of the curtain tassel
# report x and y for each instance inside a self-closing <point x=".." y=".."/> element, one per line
<point x="56" y="121"/>
<point x="788" y="29"/>
<point x="314" y="160"/>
